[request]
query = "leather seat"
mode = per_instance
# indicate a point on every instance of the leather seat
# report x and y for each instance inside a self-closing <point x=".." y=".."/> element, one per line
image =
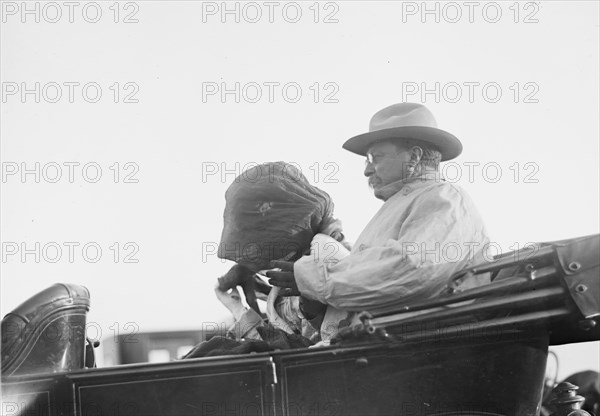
<point x="46" y="333"/>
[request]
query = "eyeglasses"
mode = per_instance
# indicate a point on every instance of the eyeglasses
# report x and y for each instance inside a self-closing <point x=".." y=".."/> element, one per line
<point x="374" y="158"/>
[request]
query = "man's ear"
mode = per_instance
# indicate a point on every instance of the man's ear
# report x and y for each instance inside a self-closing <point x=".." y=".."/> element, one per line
<point x="416" y="153"/>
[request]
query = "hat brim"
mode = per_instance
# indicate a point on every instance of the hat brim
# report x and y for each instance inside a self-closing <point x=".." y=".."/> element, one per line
<point x="448" y="145"/>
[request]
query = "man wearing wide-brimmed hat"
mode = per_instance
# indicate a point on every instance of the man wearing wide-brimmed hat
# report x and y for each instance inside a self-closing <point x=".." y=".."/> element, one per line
<point x="426" y="229"/>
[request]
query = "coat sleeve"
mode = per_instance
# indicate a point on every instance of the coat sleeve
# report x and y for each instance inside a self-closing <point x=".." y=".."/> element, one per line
<point x="438" y="237"/>
<point x="245" y="327"/>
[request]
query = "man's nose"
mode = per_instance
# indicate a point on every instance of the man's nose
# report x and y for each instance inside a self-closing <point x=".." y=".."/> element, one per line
<point x="369" y="170"/>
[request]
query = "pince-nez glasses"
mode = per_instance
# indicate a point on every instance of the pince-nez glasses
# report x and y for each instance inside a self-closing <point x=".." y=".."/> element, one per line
<point x="374" y="158"/>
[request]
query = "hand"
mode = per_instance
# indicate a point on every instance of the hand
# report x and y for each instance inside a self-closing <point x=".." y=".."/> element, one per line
<point x="232" y="301"/>
<point x="285" y="278"/>
<point x="236" y="276"/>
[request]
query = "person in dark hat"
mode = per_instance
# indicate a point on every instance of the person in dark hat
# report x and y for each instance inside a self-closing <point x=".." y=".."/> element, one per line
<point x="425" y="230"/>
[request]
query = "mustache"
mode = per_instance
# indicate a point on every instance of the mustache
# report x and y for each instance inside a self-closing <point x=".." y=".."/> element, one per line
<point x="373" y="180"/>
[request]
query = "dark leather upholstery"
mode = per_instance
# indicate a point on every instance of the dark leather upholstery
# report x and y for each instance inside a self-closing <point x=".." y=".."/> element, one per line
<point x="46" y="333"/>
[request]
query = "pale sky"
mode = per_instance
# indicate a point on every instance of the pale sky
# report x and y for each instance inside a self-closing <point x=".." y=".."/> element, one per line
<point x="518" y="88"/>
